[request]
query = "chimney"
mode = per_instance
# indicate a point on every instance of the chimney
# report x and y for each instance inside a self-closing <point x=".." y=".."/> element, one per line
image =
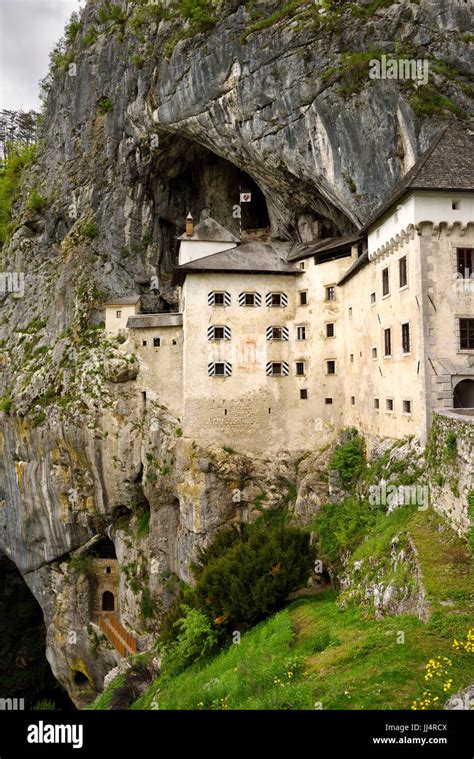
<point x="189" y="225"/>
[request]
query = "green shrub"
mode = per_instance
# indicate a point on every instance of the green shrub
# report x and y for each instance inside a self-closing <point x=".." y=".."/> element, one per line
<point x="105" y="105"/>
<point x="199" y="12"/>
<point x="37" y="202"/>
<point x="451" y="446"/>
<point x="340" y="527"/>
<point x="247" y="573"/>
<point x="147" y="606"/>
<point x="349" y="460"/>
<point x="196" y="638"/>
<point x="18" y="158"/>
<point x="6" y="403"/>
<point x="143" y="526"/>
<point x="82" y="564"/>
<point x="90" y="230"/>
<point x="73" y="27"/>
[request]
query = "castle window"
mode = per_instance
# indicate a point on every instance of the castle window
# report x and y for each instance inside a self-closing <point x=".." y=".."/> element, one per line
<point x="353" y="400"/>
<point x="219" y="369"/>
<point x="403" y="272"/>
<point x="303" y="298"/>
<point x="300" y="368"/>
<point x="250" y="299"/>
<point x="277" y="333"/>
<point x="385" y="282"/>
<point x="118" y="314"/>
<point x="387" y="342"/>
<point x="373" y="298"/>
<point x="219" y="332"/>
<point x="350" y="312"/>
<point x="465" y="261"/>
<point x="455" y="205"/>
<point x="277" y="369"/>
<point x="108" y="601"/>
<point x="328" y="401"/>
<point x="376" y="404"/>
<point x="303" y="394"/>
<point x="302" y="265"/>
<point x="174" y="341"/>
<point x="389" y="404"/>
<point x="276" y="300"/>
<point x="218" y="298"/>
<point x="466" y="334"/>
<point x="144" y="343"/>
<point x="330" y="330"/>
<point x="301" y="333"/>
<point x="374" y="352"/>
<point x="108" y="570"/>
<point x="406" y="407"/>
<point x="351" y="358"/>
<point x="156" y="342"/>
<point x="406" y="340"/>
<point x="331" y="293"/>
<point x="331" y="367"/>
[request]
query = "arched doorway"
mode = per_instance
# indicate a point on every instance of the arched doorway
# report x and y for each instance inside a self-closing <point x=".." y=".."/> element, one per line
<point x="463" y="396"/>
<point x="108" y="601"/>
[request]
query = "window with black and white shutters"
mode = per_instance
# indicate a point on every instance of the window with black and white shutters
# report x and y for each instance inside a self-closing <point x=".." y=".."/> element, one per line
<point x="276" y="300"/>
<point x="219" y="332"/>
<point x="277" y="369"/>
<point x="219" y="369"/>
<point x="250" y="299"/>
<point x="277" y="333"/>
<point x="219" y="298"/>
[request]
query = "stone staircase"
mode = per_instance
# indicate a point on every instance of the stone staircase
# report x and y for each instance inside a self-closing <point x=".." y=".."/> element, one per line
<point x="116" y="633"/>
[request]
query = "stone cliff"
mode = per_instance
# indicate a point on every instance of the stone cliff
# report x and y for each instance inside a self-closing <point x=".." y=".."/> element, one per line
<point x="149" y="115"/>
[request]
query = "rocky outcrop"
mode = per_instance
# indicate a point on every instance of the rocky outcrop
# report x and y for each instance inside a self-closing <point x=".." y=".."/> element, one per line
<point x="146" y="119"/>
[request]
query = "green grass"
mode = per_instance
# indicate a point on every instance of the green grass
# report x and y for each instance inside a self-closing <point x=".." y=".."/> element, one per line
<point x="342" y="659"/>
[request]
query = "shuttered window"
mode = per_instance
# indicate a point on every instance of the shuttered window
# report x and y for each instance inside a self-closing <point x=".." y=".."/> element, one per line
<point x="219" y="369"/>
<point x="218" y="332"/>
<point x="250" y="299"/>
<point x="277" y="369"/>
<point x="276" y="300"/>
<point x="277" y="333"/>
<point x="218" y="298"/>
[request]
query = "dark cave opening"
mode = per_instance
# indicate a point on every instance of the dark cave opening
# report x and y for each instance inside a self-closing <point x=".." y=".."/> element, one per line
<point x="25" y="672"/>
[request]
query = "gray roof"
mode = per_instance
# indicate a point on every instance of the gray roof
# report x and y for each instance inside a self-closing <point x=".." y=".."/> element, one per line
<point x="448" y="164"/>
<point x="209" y="230"/>
<point x="254" y="257"/>
<point x="145" y="321"/>
<point x="128" y="300"/>
<point x="323" y="246"/>
<point x="359" y="263"/>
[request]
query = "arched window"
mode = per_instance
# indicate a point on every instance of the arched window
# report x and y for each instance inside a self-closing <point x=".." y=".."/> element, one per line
<point x="463" y="396"/>
<point x="108" y="601"/>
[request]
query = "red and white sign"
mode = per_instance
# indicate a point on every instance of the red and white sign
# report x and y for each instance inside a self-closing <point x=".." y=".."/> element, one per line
<point x="245" y="197"/>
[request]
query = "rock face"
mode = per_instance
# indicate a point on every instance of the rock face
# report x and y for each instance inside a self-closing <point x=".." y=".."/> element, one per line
<point x="145" y="120"/>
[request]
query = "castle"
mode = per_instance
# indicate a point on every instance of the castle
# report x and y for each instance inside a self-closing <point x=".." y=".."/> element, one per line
<point x="278" y="344"/>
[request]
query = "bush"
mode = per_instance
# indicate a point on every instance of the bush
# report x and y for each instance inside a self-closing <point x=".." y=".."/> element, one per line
<point x="19" y="157"/>
<point x="247" y="573"/>
<point x="37" y="202"/>
<point x="197" y="637"/>
<point x="105" y="105"/>
<point x="349" y="460"/>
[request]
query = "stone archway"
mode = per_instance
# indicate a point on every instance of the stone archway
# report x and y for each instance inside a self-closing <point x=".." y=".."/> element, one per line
<point x="463" y="395"/>
<point x="108" y="601"/>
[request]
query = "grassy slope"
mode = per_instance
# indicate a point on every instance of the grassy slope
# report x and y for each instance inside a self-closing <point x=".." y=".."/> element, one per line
<point x="342" y="659"/>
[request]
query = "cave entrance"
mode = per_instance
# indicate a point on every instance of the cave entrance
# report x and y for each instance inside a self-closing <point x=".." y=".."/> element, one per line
<point x="108" y="601"/>
<point x="105" y="549"/>
<point x="25" y="672"/>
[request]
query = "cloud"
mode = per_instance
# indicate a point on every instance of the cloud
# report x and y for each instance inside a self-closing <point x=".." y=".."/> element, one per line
<point x="29" y="29"/>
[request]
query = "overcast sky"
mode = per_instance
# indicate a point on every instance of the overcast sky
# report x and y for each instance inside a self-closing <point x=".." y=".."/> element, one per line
<point x="29" y="29"/>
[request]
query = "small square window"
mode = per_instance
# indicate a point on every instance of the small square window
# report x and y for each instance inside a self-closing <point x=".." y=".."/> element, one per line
<point x="302" y="265"/>
<point x="303" y="298"/>
<point x="276" y="299"/>
<point x="330" y="293"/>
<point x="108" y="570"/>
<point x="389" y="404"/>
<point x="219" y="369"/>
<point x="372" y="298"/>
<point x="144" y="343"/>
<point x="331" y="367"/>
<point x="219" y="299"/>
<point x="156" y="342"/>
<point x="174" y="341"/>
<point x="218" y="333"/>
<point x="328" y="401"/>
<point x="376" y="404"/>
<point x="455" y="205"/>
<point x="303" y="394"/>
<point x="301" y="333"/>
<point x="277" y="368"/>
<point x="351" y="358"/>
<point x="249" y="299"/>
<point x="300" y="368"/>
<point x="406" y="407"/>
<point x="330" y="330"/>
<point x="118" y="314"/>
<point x="353" y="400"/>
